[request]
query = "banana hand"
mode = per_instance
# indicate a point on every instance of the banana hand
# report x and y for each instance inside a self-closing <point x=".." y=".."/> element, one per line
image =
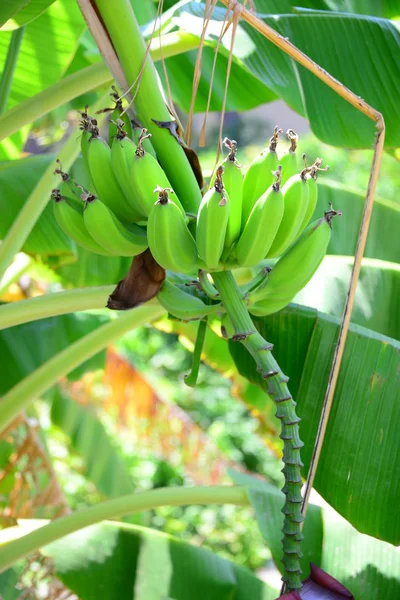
<point x="295" y="268"/>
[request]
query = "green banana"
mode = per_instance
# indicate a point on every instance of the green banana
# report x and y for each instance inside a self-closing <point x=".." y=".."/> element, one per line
<point x="145" y="175"/>
<point x="295" y="195"/>
<point x="122" y="156"/>
<point x="89" y="128"/>
<point x="262" y="226"/>
<point x="233" y="183"/>
<point x="257" y="282"/>
<point x="70" y="220"/>
<point x="295" y="268"/>
<point x="104" y="180"/>
<point x="68" y="188"/>
<point x="170" y="241"/>
<point x="313" y="189"/>
<point x="212" y="222"/>
<point x="289" y="161"/>
<point x="117" y="113"/>
<point x="259" y="176"/>
<point x="109" y="232"/>
<point x="184" y="306"/>
<point x="137" y="129"/>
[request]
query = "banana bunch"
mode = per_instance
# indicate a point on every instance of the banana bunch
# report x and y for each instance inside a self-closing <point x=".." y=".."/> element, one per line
<point x="129" y="206"/>
<point x="294" y="269"/>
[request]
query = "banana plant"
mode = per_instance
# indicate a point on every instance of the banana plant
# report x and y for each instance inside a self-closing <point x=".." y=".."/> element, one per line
<point x="232" y="257"/>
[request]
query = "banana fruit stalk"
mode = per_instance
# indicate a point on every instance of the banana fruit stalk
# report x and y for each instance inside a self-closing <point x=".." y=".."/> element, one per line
<point x="262" y="226"/>
<point x="170" y="241"/>
<point x="69" y="217"/>
<point x="212" y="222"/>
<point x="145" y="175"/>
<point x="259" y="176"/>
<point x="295" y="268"/>
<point x="109" y="232"/>
<point x="184" y="306"/>
<point x="296" y="196"/>
<point x="233" y="183"/>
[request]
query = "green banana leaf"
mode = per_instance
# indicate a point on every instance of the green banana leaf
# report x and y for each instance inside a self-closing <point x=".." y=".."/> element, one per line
<point x="116" y="561"/>
<point x="360" y="51"/>
<point x="379" y="8"/>
<point x="359" y="468"/>
<point x="384" y="226"/>
<point x="8" y="9"/>
<point x="25" y="347"/>
<point x="43" y="59"/>
<point x="88" y="437"/>
<point x="23" y="12"/>
<point x="17" y="181"/>
<point x="377" y="297"/>
<point x="370" y="568"/>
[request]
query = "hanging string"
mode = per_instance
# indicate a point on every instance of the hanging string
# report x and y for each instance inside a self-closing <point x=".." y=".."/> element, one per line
<point x="209" y="8"/>
<point x="224" y="28"/>
<point x="237" y="11"/>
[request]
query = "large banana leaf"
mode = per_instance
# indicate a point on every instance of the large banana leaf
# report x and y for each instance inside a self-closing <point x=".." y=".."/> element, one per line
<point x="17" y="181"/>
<point x="47" y="48"/>
<point x="378" y="8"/>
<point x="362" y="52"/>
<point x="370" y="568"/>
<point x="25" y="347"/>
<point x="384" y="227"/>
<point x="22" y="12"/>
<point x="103" y="464"/>
<point x="116" y="561"/>
<point x="49" y="44"/>
<point x="377" y="297"/>
<point x="359" y="469"/>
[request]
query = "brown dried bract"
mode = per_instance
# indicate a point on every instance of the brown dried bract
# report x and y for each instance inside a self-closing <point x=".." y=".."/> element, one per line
<point x="142" y="283"/>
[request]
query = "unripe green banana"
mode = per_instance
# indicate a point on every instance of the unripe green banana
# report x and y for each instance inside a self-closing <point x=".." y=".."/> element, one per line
<point x="145" y="175"/>
<point x="68" y="188"/>
<point x="137" y="129"/>
<point x="109" y="232"/>
<point x="104" y="180"/>
<point x="295" y="195"/>
<point x="233" y="184"/>
<point x="259" y="176"/>
<point x="89" y="128"/>
<point x="70" y="220"/>
<point x="212" y="222"/>
<point x="313" y="189"/>
<point x="295" y="268"/>
<point x="170" y="241"/>
<point x="122" y="156"/>
<point x="261" y="227"/>
<point x="117" y="112"/>
<point x="184" y="306"/>
<point x="290" y="161"/>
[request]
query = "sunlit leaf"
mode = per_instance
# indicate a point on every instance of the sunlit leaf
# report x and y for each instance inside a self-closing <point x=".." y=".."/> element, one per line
<point x="30" y="10"/>
<point x="117" y="561"/>
<point x="358" y="471"/>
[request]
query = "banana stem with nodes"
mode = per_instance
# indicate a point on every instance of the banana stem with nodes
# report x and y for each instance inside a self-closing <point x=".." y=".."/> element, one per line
<point x="260" y="350"/>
